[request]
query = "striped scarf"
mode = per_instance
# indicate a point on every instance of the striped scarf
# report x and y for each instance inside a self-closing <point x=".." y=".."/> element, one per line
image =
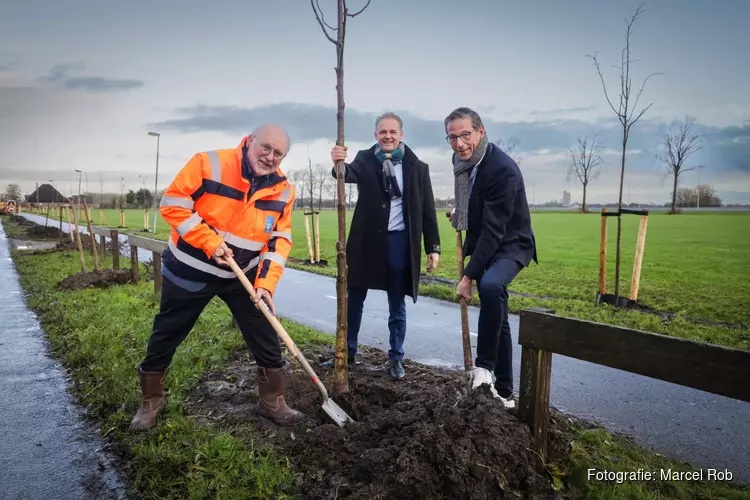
<point x="389" y="171"/>
<point x="462" y="171"/>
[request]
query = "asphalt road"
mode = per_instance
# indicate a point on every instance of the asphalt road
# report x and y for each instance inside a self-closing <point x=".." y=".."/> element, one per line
<point x="707" y="430"/>
<point x="47" y="450"/>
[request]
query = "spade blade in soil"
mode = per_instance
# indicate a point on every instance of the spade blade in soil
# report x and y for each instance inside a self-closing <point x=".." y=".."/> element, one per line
<point x="336" y="412"/>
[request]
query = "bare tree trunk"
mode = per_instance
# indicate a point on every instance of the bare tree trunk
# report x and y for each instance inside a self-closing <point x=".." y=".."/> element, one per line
<point x="674" y="193"/>
<point x="340" y="371"/>
<point x="619" y="215"/>
<point x="584" y="198"/>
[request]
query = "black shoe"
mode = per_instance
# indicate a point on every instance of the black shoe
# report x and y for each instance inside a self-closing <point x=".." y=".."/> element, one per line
<point x="396" y="369"/>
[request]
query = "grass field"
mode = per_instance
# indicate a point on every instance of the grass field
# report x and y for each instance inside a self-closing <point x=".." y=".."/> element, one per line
<point x="694" y="266"/>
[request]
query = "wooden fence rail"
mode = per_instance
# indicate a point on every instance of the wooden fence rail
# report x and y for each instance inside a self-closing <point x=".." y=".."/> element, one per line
<point x="707" y="367"/>
<point x="156" y="247"/>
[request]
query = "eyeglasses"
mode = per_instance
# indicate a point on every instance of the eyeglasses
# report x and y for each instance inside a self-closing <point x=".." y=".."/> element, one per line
<point x="452" y="139"/>
<point x="265" y="149"/>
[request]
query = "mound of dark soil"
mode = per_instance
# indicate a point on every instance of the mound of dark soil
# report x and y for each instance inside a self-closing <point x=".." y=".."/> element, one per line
<point x="66" y="245"/>
<point x="423" y="437"/>
<point x="98" y="279"/>
<point x="39" y="231"/>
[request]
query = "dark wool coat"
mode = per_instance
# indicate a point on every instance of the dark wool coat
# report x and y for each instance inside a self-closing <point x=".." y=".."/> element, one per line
<point x="499" y="218"/>
<point x="367" y="244"/>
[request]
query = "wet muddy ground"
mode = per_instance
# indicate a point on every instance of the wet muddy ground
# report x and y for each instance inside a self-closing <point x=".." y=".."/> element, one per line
<point x="423" y="437"/>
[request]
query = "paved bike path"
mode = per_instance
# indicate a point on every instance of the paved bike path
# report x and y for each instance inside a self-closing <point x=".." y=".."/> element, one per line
<point x="47" y="450"/>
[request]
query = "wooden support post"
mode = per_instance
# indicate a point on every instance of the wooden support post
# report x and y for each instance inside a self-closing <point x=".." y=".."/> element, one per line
<point x="101" y="218"/>
<point x="72" y="231"/>
<point x="603" y="255"/>
<point x="115" y="249"/>
<point x="156" y="256"/>
<point x="534" y="390"/>
<point x="102" y="242"/>
<point x="309" y="242"/>
<point x="61" y="221"/>
<point x="78" y="242"/>
<point x="145" y="220"/>
<point x="533" y="402"/>
<point x="122" y="218"/>
<point x="134" y="271"/>
<point x="91" y="233"/>
<point x="316" y="216"/>
<point x="638" y="260"/>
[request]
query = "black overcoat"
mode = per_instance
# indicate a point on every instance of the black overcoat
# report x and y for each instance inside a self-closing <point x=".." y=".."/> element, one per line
<point x="367" y="244"/>
<point x="499" y="217"/>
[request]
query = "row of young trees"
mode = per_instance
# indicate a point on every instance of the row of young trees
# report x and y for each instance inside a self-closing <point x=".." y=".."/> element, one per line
<point x="677" y="144"/>
<point x="316" y="188"/>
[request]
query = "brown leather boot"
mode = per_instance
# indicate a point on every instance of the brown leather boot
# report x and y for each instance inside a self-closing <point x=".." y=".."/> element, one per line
<point x="271" y="402"/>
<point x="152" y="400"/>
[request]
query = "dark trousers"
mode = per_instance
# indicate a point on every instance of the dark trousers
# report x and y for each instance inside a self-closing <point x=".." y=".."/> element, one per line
<point x="397" y="273"/>
<point x="494" y="346"/>
<point x="180" y="309"/>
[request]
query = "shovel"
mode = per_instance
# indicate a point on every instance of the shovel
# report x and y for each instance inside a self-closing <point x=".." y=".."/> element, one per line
<point x="465" y="332"/>
<point x="329" y="406"/>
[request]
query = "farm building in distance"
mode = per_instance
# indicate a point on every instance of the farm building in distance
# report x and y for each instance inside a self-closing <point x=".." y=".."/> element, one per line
<point x="46" y="193"/>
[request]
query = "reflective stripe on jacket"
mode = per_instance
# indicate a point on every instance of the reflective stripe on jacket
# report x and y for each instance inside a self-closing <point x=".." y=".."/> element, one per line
<point x="209" y="201"/>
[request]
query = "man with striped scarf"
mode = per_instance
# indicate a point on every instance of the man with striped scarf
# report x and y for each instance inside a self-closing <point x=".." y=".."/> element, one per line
<point x="491" y="207"/>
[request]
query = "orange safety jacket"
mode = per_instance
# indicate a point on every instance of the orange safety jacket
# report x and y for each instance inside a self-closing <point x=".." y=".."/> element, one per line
<point x="210" y="201"/>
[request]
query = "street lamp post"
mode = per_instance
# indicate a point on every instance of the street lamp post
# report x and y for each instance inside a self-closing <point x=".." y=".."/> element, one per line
<point x="79" y="185"/>
<point x="156" y="177"/>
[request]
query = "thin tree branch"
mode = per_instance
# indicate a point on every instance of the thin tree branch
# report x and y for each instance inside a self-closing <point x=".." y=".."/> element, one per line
<point x="638" y="96"/>
<point x="322" y="17"/>
<point x="321" y="23"/>
<point x="359" y="11"/>
<point x="604" y="86"/>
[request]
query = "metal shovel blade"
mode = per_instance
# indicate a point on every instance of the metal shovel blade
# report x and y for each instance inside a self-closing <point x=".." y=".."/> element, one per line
<point x="336" y="412"/>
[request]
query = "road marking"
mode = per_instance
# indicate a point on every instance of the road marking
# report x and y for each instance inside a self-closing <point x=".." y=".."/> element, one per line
<point x="473" y="333"/>
<point x="331" y="296"/>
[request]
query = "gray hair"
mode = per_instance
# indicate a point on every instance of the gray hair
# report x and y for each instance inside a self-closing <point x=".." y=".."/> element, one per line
<point x="458" y="113"/>
<point x="264" y="126"/>
<point x="389" y="115"/>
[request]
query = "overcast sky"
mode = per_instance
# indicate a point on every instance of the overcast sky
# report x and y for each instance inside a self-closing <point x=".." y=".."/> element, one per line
<point x="83" y="81"/>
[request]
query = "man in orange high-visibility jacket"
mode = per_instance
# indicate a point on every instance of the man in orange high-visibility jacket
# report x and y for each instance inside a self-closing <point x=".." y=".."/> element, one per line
<point x="229" y="202"/>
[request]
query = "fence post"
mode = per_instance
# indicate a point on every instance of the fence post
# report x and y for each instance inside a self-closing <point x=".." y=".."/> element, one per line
<point x="134" y="272"/>
<point x="115" y="235"/>
<point x="156" y="256"/>
<point x="534" y="392"/>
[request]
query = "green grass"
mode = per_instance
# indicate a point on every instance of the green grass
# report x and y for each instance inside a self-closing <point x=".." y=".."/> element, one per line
<point x="694" y="266"/>
<point x="600" y="450"/>
<point x="100" y="335"/>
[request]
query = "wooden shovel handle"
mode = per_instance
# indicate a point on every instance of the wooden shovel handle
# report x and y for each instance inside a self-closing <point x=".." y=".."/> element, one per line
<point x="465" y="332"/>
<point x="276" y="324"/>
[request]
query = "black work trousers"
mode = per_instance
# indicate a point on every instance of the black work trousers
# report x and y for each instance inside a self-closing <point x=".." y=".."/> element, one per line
<point x="180" y="309"/>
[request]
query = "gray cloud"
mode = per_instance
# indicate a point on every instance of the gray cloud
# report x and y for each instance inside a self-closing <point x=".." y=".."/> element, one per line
<point x="723" y="148"/>
<point x="60" y="75"/>
<point x="563" y="111"/>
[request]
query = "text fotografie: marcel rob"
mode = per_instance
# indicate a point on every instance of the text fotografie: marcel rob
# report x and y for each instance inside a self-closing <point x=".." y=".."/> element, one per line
<point x="660" y="475"/>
